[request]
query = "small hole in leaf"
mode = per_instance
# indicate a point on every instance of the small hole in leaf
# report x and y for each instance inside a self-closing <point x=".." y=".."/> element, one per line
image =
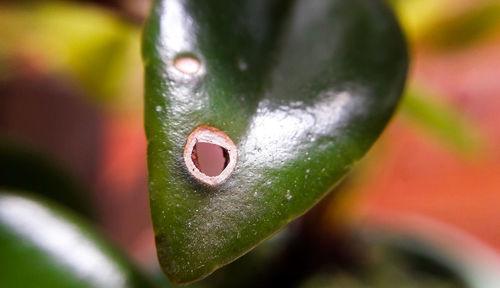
<point x="210" y="155"/>
<point x="210" y="159"/>
<point x="187" y="64"/>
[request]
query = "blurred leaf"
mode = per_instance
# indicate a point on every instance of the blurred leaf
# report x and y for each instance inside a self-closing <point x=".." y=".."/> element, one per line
<point x="92" y="45"/>
<point x="418" y="16"/>
<point x="440" y="24"/>
<point x="442" y="120"/>
<point x="42" y="245"/>
<point x="27" y="170"/>
<point x="341" y="280"/>
<point x="426" y="247"/>
<point x="386" y="264"/>
<point x="464" y="28"/>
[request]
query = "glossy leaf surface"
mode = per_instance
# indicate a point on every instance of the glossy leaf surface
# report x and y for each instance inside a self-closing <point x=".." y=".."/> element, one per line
<point x="302" y="88"/>
<point x="43" y="246"/>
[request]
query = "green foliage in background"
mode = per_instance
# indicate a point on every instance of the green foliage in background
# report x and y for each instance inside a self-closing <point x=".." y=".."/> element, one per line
<point x="43" y="245"/>
<point x="91" y="45"/>
<point x="443" y="122"/>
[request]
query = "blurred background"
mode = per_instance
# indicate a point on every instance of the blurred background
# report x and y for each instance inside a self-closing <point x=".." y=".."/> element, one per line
<point x="71" y="90"/>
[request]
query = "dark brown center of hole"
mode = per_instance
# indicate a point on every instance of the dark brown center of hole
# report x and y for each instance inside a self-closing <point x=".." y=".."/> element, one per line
<point x="210" y="159"/>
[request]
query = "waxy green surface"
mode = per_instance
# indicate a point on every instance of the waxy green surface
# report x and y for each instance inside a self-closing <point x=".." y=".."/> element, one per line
<point x="43" y="245"/>
<point x="303" y="88"/>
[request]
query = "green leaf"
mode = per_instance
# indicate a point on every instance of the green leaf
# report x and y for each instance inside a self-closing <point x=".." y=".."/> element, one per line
<point x="253" y="269"/>
<point x="441" y="120"/>
<point x="385" y="264"/>
<point x="435" y="24"/>
<point x="463" y="29"/>
<point x="301" y="88"/>
<point x="432" y="253"/>
<point x="421" y="253"/>
<point x="42" y="245"/>
<point x="89" y="44"/>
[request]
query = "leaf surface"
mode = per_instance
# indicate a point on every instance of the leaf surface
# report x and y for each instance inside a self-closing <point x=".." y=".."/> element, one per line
<point x="302" y="88"/>
<point x="42" y="245"/>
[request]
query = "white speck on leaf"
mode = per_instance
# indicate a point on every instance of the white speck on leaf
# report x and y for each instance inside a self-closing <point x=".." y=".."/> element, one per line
<point x="242" y="65"/>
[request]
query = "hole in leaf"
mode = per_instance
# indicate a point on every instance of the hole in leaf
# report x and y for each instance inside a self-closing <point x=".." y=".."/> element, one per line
<point x="187" y="64"/>
<point x="210" y="155"/>
<point x="210" y="159"/>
